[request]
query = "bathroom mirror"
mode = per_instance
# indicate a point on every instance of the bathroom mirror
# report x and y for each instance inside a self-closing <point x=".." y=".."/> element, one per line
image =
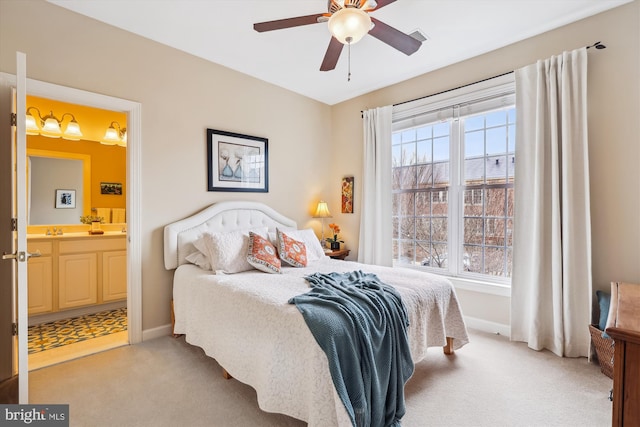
<point x="49" y="172"/>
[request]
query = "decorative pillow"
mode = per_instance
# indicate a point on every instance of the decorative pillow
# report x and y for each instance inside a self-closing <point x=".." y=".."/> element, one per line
<point x="262" y="254"/>
<point x="228" y="251"/>
<point x="604" y="300"/>
<point x="292" y="251"/>
<point x="199" y="259"/>
<point x="309" y="238"/>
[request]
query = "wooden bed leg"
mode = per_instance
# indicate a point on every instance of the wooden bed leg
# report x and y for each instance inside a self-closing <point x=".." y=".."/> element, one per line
<point x="448" y="349"/>
<point x="226" y="375"/>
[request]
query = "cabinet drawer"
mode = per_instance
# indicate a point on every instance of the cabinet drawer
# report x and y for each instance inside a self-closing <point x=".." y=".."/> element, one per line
<point x="45" y="248"/>
<point x="92" y="245"/>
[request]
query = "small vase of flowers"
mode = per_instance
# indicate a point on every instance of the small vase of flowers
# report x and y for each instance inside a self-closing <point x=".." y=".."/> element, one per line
<point x="333" y="241"/>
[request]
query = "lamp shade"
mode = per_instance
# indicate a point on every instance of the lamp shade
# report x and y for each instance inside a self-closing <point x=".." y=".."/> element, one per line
<point x="32" y="125"/>
<point x="322" y="211"/>
<point x="349" y="25"/>
<point x="72" y="132"/>
<point x="51" y="128"/>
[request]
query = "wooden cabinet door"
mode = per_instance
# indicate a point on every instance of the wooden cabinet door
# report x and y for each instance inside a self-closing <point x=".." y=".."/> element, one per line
<point x="78" y="280"/>
<point x="40" y="273"/>
<point x="114" y="275"/>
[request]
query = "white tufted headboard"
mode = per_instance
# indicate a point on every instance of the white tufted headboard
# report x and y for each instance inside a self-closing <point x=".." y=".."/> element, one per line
<point x="220" y="217"/>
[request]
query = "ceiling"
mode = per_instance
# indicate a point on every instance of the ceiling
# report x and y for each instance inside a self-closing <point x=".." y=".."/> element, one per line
<point x="221" y="31"/>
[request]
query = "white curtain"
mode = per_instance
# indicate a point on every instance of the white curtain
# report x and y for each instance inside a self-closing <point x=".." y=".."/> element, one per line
<point x="375" y="218"/>
<point x="551" y="283"/>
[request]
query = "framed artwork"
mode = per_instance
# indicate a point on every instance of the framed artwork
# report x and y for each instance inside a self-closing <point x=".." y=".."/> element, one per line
<point x="237" y="162"/>
<point x="114" y="188"/>
<point x="347" y="194"/>
<point x="65" y="199"/>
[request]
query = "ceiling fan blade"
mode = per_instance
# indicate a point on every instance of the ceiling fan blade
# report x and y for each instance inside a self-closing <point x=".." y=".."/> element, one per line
<point x="381" y="3"/>
<point x="394" y="38"/>
<point x="331" y="56"/>
<point x="287" y="23"/>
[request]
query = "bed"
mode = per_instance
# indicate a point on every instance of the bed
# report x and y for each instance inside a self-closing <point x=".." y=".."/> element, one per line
<point x="245" y="322"/>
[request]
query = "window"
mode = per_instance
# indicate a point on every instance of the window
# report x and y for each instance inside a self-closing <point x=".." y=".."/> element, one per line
<point x="453" y="182"/>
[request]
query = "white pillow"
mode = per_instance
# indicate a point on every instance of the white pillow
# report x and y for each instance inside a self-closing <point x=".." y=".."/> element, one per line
<point x="228" y="251"/>
<point x="310" y="240"/>
<point x="199" y="259"/>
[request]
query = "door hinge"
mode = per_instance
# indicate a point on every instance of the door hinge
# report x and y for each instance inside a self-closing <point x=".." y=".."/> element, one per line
<point x="14" y="119"/>
<point x="14" y="329"/>
<point x="14" y="224"/>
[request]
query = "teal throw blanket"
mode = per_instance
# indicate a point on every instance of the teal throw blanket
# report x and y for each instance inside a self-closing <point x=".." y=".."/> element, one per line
<point x="360" y="323"/>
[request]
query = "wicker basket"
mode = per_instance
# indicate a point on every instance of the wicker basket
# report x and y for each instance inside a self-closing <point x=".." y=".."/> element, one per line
<point x="604" y="350"/>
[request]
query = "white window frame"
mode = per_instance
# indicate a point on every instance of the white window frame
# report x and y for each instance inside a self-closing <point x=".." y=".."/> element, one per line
<point x="485" y="96"/>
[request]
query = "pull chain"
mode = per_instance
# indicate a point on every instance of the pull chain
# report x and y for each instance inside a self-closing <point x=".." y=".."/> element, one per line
<point x="349" y="57"/>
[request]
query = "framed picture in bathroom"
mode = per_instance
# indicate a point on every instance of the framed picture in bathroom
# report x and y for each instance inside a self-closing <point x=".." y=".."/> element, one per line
<point x="237" y="162"/>
<point x="65" y="199"/>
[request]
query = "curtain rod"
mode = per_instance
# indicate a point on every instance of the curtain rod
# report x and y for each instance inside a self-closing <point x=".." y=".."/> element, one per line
<point x="597" y="45"/>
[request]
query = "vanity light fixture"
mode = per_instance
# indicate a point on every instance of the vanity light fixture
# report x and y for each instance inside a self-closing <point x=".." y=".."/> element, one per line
<point x="115" y="135"/>
<point x="49" y="125"/>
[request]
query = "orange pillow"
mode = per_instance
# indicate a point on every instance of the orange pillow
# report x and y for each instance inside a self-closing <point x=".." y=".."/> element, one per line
<point x="262" y="254"/>
<point x="292" y="251"/>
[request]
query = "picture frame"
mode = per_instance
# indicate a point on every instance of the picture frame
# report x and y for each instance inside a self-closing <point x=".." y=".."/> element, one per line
<point x="111" y="188"/>
<point x="65" y="199"/>
<point x="347" y="194"/>
<point x="237" y="162"/>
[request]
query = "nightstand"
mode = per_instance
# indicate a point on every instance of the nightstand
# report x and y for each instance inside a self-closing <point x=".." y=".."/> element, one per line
<point x="339" y="254"/>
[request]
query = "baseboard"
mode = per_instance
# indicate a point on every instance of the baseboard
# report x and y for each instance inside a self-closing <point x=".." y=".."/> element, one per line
<point x="160" y="331"/>
<point x="487" y="326"/>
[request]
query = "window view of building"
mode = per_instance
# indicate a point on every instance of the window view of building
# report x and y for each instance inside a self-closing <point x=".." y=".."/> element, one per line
<point x="453" y="194"/>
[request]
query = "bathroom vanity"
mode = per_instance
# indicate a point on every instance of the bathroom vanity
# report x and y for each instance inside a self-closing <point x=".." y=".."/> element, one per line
<point x="76" y="270"/>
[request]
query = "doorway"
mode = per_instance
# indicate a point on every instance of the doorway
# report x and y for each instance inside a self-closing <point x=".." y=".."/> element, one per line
<point x="133" y="256"/>
<point x="77" y="287"/>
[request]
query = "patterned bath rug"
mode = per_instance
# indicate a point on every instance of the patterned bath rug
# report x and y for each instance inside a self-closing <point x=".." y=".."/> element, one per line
<point x="68" y="331"/>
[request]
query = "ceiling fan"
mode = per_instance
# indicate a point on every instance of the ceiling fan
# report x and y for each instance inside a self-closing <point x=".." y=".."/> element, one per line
<point x="348" y="22"/>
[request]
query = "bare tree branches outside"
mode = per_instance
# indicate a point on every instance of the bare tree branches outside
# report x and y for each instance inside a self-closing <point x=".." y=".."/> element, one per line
<point x="422" y="187"/>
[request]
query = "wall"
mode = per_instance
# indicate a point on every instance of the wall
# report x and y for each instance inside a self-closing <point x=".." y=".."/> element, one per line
<point x="614" y="149"/>
<point x="181" y="97"/>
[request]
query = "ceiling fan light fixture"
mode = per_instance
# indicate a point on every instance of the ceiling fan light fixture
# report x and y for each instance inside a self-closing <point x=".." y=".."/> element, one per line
<point x="349" y="25"/>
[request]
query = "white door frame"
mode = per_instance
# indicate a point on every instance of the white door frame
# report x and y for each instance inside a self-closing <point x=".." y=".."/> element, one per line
<point x="134" y="144"/>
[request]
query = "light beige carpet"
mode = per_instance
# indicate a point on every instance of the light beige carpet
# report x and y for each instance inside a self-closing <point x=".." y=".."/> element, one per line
<point x="166" y="382"/>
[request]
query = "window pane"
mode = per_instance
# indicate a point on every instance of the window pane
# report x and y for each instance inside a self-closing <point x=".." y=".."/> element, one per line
<point x="441" y="149"/>
<point x="396" y="153"/>
<point x="510" y="196"/>
<point x="395" y="221"/>
<point x="406" y="204"/>
<point x="495" y="202"/>
<point x="409" y="135"/>
<point x="474" y="256"/>
<point x="441" y="129"/>
<point x="494" y="232"/>
<point x="407" y="228"/>
<point x="473" y="123"/>
<point x="408" y="153"/>
<point x="496" y="118"/>
<point x="439" y="203"/>
<point x="439" y="255"/>
<point x="423" y="228"/>
<point x="424" y="176"/>
<point x="497" y="140"/>
<point x="474" y="144"/>
<point x="441" y="174"/>
<point x="473" y="202"/>
<point x="473" y="230"/>
<point x="424" y="151"/>
<point x="406" y="252"/>
<point x="474" y="171"/>
<point x="396" y="138"/>
<point x="422" y="252"/>
<point x="494" y="261"/>
<point x="424" y="132"/>
<point x="439" y="230"/>
<point x="408" y="178"/>
<point x="423" y="204"/>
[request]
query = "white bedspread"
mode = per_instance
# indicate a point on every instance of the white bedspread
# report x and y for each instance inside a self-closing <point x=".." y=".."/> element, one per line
<point x="244" y="321"/>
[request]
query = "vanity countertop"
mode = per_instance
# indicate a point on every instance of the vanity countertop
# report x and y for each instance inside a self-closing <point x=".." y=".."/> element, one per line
<point x="76" y="235"/>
